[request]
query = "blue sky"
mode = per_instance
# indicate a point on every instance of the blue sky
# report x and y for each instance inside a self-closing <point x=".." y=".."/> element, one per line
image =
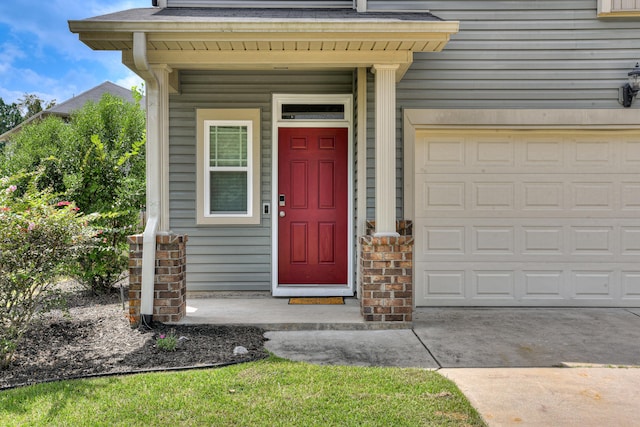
<point x="39" y="55"/>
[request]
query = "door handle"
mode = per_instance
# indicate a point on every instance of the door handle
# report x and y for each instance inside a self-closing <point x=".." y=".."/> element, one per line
<point x="282" y="214"/>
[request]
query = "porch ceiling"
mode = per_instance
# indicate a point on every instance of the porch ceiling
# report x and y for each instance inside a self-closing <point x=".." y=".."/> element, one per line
<point x="267" y="38"/>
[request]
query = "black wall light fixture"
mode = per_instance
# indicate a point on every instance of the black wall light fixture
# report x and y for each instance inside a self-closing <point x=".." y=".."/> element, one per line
<point x="628" y="92"/>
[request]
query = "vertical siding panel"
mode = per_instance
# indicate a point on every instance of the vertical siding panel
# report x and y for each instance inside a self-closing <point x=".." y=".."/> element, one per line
<point x="230" y="257"/>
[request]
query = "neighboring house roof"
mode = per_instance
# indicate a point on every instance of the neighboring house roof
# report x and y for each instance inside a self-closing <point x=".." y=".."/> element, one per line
<point x="65" y="108"/>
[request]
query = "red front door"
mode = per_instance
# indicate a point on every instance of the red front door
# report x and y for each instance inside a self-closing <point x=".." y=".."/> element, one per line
<point x="313" y="206"/>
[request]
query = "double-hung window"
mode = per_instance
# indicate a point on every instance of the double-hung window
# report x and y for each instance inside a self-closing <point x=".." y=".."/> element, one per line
<point x="228" y="172"/>
<point x="228" y="167"/>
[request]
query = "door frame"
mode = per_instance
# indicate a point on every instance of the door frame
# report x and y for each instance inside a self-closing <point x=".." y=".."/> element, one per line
<point x="278" y="100"/>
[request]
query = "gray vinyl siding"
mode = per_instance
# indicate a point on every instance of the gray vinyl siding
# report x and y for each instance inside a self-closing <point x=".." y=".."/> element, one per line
<point x="512" y="54"/>
<point x="229" y="257"/>
<point x="524" y="54"/>
<point x="508" y="54"/>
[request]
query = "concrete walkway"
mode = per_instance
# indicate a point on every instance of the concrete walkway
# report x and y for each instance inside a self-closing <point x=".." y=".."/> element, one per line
<point x="552" y="396"/>
<point x="517" y="366"/>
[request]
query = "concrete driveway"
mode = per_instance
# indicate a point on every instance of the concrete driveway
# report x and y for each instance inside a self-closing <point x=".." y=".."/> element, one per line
<point x="512" y="364"/>
<point x="529" y="337"/>
<point x="502" y="360"/>
<point x="477" y="338"/>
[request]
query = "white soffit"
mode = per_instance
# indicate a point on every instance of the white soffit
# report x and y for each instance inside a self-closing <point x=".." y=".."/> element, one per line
<point x="240" y="42"/>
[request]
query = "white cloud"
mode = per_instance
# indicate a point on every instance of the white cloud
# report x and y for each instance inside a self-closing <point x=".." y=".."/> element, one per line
<point x="47" y="21"/>
<point x="130" y="81"/>
<point x="39" y="55"/>
<point x="8" y="54"/>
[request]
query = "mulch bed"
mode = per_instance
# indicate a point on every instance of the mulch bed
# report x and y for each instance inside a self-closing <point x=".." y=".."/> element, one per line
<point x="93" y="337"/>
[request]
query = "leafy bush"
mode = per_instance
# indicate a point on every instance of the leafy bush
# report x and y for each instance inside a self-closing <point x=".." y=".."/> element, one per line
<point x="39" y="239"/>
<point x="35" y="142"/>
<point x="107" y="175"/>
<point x="102" y="264"/>
<point x="97" y="160"/>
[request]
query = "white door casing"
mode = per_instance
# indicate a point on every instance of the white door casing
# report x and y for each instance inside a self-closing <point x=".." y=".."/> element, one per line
<point x="277" y="119"/>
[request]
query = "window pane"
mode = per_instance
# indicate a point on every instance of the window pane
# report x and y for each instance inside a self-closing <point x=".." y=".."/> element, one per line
<point x="313" y="111"/>
<point x="228" y="146"/>
<point x="228" y="192"/>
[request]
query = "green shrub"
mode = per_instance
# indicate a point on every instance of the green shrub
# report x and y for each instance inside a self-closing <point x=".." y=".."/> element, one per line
<point x="97" y="159"/>
<point x="102" y="265"/>
<point x="39" y="239"/>
<point x="107" y="176"/>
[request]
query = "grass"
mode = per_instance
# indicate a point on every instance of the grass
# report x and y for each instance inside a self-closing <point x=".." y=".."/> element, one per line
<point x="272" y="392"/>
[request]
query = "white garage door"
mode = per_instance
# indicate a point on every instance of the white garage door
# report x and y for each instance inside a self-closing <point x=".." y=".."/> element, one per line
<point x="527" y="218"/>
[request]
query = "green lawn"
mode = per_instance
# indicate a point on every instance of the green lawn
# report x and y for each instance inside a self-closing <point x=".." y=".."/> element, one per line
<point x="272" y="392"/>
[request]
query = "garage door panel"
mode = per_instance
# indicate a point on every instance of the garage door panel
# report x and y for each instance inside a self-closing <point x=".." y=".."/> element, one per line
<point x="441" y="152"/>
<point x="493" y="152"/>
<point x="441" y="196"/>
<point x="527" y="218"/>
<point x="542" y="240"/>
<point x="630" y="241"/>
<point x="529" y="240"/>
<point x="542" y="153"/>
<point x="592" y="240"/>
<point x="631" y="285"/>
<point x="493" y="284"/>
<point x="592" y="153"/>
<point x="542" y="195"/>
<point x="631" y="154"/>
<point x="494" y="195"/>
<point x="442" y="240"/>
<point x="526" y="284"/>
<point x="593" y="284"/>
<point x="543" y="284"/>
<point x="493" y="240"/>
<point x="630" y="196"/>
<point x="528" y="195"/>
<point x="592" y="196"/>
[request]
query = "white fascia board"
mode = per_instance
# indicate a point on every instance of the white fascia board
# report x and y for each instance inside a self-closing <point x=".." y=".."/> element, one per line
<point x="252" y="25"/>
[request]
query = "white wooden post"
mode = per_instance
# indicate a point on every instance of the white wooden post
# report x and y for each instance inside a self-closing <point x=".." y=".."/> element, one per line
<point x="385" y="149"/>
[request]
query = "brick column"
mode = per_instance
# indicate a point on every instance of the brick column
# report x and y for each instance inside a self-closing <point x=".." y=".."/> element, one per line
<point x="170" y="285"/>
<point x="386" y="288"/>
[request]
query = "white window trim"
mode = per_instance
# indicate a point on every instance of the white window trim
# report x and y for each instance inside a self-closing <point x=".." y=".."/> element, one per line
<point x="228" y="117"/>
<point x="606" y="8"/>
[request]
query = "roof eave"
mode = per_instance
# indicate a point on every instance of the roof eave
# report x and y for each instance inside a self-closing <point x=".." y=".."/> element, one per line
<point x="301" y="26"/>
<point x="261" y="44"/>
